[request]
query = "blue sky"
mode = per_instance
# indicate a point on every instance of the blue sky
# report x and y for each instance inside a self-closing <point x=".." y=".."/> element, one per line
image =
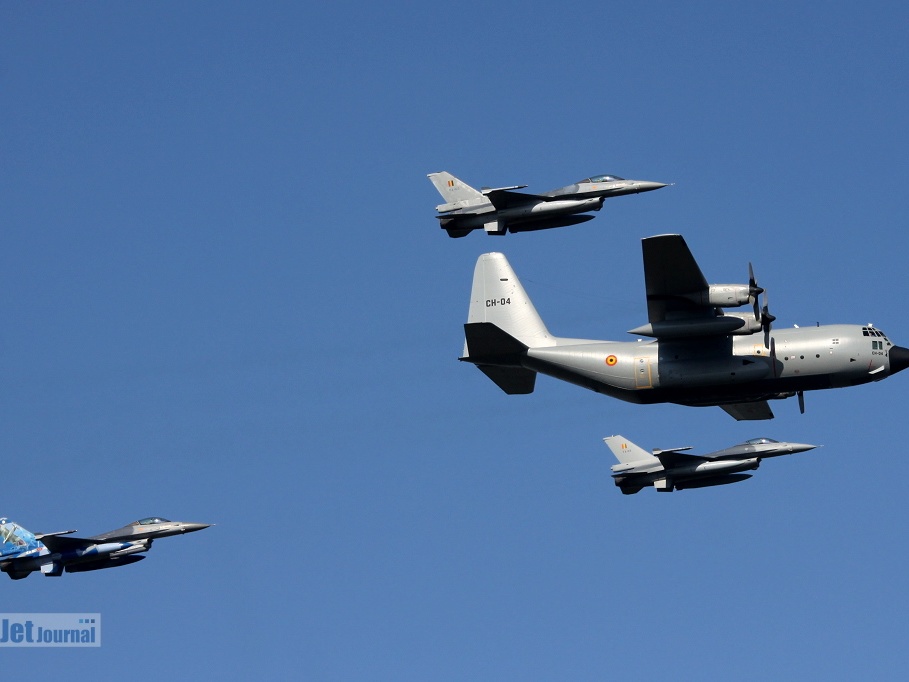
<point x="225" y="298"/>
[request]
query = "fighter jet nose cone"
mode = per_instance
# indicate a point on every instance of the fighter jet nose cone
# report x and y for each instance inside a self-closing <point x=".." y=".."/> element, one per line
<point x="899" y="359"/>
<point x="802" y="447"/>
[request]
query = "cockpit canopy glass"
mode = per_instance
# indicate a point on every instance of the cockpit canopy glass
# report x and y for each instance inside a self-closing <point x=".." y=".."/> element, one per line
<point x="601" y="178"/>
<point x="871" y="331"/>
<point x="760" y="441"/>
<point x="7" y="532"/>
<point x="150" y="520"/>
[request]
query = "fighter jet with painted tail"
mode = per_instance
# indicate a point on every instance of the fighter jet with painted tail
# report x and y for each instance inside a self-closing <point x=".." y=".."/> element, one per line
<point x="700" y="354"/>
<point x="503" y="209"/>
<point x="23" y="552"/>
<point x="668" y="470"/>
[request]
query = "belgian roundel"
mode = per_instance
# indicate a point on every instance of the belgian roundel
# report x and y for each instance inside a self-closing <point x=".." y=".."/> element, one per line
<point x="612" y="360"/>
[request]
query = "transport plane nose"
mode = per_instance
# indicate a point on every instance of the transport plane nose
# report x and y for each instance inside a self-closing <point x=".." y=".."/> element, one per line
<point x="899" y="359"/>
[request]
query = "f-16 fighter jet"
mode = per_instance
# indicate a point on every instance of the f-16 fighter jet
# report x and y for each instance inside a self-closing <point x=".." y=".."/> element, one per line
<point x="668" y="470"/>
<point x="503" y="209"/>
<point x="22" y="552"/>
<point x="701" y="354"/>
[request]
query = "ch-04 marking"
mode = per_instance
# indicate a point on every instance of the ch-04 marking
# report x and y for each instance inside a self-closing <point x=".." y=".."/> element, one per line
<point x="493" y="302"/>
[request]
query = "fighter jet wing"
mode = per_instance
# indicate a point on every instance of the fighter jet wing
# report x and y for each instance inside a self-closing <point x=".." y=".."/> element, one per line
<point x="757" y="410"/>
<point x="672" y="277"/>
<point x="56" y="543"/>
<point x="673" y="458"/>
<point x="505" y="198"/>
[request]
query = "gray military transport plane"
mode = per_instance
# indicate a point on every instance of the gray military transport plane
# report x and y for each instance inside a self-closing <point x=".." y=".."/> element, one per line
<point x="502" y="209"/>
<point x="701" y="354"/>
<point x="668" y="470"/>
<point x="22" y="552"/>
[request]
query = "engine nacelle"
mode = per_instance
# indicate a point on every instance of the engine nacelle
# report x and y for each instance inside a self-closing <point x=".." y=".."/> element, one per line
<point x="752" y="325"/>
<point x="723" y="295"/>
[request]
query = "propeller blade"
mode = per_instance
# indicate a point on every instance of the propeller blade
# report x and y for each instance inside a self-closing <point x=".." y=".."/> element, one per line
<point x="753" y="292"/>
<point x="753" y="288"/>
<point x="801" y="395"/>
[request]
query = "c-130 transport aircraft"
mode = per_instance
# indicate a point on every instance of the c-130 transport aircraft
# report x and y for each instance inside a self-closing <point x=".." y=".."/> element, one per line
<point x="701" y="355"/>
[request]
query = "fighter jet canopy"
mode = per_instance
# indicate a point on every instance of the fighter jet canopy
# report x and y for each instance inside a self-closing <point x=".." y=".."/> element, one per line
<point x="601" y="178"/>
<point x="760" y="441"/>
<point x="151" y="520"/>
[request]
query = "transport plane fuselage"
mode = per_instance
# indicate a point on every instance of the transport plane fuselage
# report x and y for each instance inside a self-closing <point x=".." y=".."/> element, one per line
<point x="805" y="359"/>
<point x="695" y="353"/>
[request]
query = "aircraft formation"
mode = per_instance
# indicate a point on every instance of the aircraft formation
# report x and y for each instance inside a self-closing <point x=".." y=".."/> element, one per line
<point x="699" y="351"/>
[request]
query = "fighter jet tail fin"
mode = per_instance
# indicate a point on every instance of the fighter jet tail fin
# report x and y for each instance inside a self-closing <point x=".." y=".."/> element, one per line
<point x="498" y="297"/>
<point x="454" y="190"/>
<point x="625" y="451"/>
<point x="14" y="539"/>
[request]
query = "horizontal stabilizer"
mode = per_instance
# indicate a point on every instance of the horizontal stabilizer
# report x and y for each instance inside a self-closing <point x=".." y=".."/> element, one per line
<point x="512" y="380"/>
<point x="755" y="411"/>
<point x="488" y="344"/>
<point x="498" y="356"/>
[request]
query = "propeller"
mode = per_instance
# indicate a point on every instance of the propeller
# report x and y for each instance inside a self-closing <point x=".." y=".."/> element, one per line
<point x="801" y="395"/>
<point x="754" y="291"/>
